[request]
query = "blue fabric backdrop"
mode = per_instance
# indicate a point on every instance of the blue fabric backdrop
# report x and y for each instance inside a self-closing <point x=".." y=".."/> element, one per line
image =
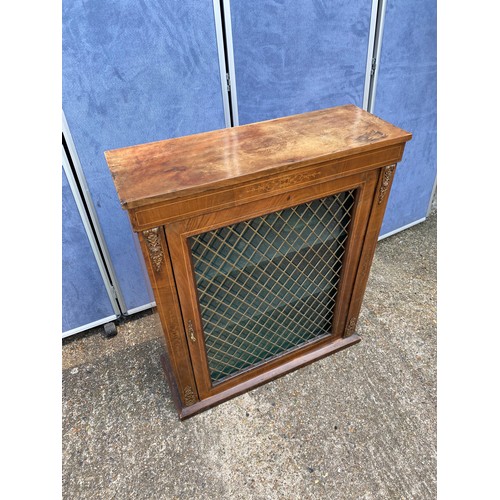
<point x="406" y="96"/>
<point x="293" y="57"/>
<point x="84" y="296"/>
<point x="135" y="72"/>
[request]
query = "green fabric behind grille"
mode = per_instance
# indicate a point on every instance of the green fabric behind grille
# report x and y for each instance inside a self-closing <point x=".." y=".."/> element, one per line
<point x="268" y="285"/>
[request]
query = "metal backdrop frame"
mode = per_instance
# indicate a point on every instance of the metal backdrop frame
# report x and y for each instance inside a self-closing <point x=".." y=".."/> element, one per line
<point x="95" y="250"/>
<point x="371" y="79"/>
<point x="371" y="60"/>
<point x="224" y="37"/>
<point x="115" y="286"/>
<point x="94" y="221"/>
<point x="374" y="68"/>
<point x="87" y="199"/>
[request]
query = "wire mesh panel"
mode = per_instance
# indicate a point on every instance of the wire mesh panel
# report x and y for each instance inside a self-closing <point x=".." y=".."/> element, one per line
<point x="268" y="285"/>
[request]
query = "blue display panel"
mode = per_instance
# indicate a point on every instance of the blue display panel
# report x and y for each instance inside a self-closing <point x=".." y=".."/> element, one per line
<point x="406" y="96"/>
<point x="293" y="57"/>
<point x="84" y="296"/>
<point x="135" y="72"/>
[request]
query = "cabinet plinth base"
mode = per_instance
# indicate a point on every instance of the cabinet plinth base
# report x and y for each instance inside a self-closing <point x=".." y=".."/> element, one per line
<point x="300" y="361"/>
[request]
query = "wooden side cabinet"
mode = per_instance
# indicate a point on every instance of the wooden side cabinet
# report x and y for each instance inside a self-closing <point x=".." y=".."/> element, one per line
<point x="258" y="241"/>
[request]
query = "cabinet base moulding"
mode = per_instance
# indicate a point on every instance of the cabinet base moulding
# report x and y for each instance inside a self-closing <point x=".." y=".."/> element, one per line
<point x="304" y="360"/>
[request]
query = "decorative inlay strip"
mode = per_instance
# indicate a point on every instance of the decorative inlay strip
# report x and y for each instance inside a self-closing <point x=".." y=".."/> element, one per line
<point x="173" y="331"/>
<point x="283" y="182"/>
<point x="192" y="205"/>
<point x="154" y="247"/>
<point x="386" y="180"/>
<point x="189" y="397"/>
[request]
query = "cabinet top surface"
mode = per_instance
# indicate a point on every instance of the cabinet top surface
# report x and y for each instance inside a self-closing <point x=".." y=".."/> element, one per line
<point x="157" y="171"/>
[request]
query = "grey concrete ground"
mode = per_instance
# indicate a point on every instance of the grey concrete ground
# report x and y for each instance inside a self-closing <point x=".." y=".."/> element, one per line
<point x="360" y="424"/>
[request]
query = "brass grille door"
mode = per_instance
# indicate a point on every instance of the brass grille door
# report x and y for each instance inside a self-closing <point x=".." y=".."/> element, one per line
<point x="259" y="287"/>
<point x="268" y="285"/>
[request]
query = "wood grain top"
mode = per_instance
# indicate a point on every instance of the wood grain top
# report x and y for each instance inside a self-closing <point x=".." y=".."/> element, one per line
<point x="157" y="171"/>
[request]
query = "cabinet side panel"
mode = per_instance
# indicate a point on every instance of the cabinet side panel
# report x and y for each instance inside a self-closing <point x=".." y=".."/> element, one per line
<point x="157" y="259"/>
<point x="369" y="245"/>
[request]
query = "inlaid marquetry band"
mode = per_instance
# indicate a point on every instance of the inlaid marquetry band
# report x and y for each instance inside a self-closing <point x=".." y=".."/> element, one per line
<point x="189" y="397"/>
<point x="154" y="247"/>
<point x="386" y="180"/>
<point x="283" y="182"/>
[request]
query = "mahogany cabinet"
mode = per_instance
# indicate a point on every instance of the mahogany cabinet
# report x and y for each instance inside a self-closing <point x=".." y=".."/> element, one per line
<point x="258" y="241"/>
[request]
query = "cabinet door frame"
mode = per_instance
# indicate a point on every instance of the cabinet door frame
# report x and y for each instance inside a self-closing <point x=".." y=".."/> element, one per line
<point x="177" y="234"/>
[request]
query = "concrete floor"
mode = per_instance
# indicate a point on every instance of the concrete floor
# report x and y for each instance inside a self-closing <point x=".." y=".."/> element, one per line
<point x="360" y="424"/>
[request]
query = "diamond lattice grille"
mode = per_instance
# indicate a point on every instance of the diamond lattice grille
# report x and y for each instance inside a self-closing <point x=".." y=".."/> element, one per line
<point x="268" y="285"/>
